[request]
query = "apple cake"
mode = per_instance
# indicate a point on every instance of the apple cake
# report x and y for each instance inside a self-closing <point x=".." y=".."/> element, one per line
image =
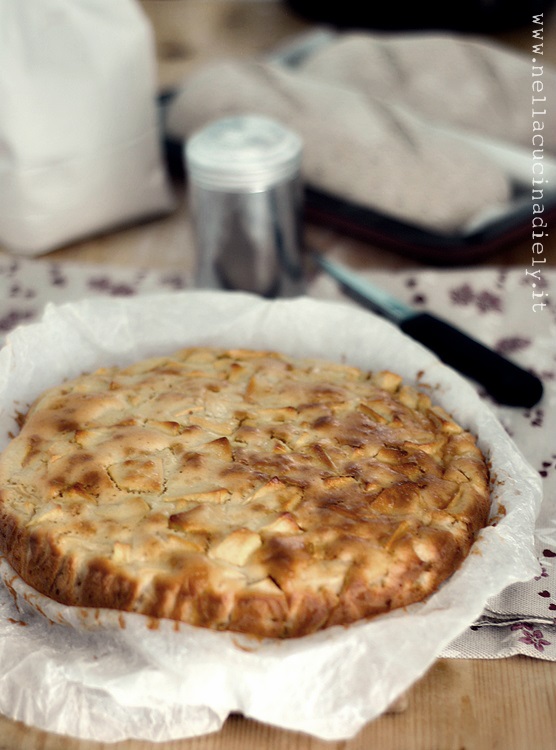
<point x="240" y="490"/>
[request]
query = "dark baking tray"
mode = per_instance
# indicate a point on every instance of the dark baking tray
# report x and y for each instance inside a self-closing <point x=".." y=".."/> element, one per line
<point x="414" y="242"/>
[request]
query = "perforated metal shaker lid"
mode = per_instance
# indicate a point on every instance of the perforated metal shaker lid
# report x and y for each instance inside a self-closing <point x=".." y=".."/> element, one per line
<point x="248" y="152"/>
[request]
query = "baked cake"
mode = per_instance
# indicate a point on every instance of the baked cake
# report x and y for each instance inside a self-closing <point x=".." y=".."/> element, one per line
<point x="240" y="490"/>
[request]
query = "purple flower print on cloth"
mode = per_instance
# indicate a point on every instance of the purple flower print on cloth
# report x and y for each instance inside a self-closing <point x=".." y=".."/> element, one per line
<point x="14" y="317"/>
<point x="489" y="302"/>
<point x="485" y="300"/>
<point x="109" y="286"/>
<point x="462" y="295"/>
<point x="511" y="344"/>
<point x="531" y="636"/>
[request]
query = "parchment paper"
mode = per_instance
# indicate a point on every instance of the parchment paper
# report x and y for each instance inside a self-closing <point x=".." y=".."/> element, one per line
<point x="106" y="676"/>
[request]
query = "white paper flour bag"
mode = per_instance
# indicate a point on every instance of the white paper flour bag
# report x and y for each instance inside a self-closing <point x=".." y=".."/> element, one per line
<point x="79" y="134"/>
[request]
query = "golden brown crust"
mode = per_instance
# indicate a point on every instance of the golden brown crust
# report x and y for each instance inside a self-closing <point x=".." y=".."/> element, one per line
<point x="240" y="490"/>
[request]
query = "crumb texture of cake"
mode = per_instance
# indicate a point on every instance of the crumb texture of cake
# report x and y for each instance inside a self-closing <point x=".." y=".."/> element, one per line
<point x="240" y="490"/>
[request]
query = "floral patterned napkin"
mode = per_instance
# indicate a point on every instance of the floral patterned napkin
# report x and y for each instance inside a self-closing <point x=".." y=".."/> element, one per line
<point x="495" y="305"/>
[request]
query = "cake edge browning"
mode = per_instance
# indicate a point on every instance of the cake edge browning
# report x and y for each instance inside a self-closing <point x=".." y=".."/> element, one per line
<point x="100" y="585"/>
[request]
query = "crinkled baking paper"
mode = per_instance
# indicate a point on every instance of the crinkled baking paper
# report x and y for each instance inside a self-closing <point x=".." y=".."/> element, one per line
<point x="103" y="675"/>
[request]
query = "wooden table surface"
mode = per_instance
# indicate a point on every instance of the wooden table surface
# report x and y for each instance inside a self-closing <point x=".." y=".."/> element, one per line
<point x="459" y="704"/>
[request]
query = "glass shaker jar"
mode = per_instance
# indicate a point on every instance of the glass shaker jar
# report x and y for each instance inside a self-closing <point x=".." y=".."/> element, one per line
<point x="245" y="197"/>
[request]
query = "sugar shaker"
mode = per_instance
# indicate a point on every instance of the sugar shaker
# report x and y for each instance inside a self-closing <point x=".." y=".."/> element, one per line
<point x="246" y="199"/>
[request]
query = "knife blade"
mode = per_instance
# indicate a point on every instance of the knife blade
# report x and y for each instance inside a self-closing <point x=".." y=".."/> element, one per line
<point x="505" y="381"/>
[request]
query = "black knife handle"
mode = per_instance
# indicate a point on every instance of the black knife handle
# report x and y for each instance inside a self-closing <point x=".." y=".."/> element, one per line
<point x="505" y="381"/>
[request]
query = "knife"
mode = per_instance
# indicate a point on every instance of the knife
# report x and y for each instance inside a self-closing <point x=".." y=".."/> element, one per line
<point x="505" y="381"/>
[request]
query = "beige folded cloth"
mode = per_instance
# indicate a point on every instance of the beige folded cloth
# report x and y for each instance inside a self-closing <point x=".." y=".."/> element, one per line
<point x="377" y="118"/>
<point x="466" y="83"/>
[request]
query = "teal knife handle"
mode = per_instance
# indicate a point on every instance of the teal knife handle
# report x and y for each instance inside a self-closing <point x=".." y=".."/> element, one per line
<point x="507" y="383"/>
